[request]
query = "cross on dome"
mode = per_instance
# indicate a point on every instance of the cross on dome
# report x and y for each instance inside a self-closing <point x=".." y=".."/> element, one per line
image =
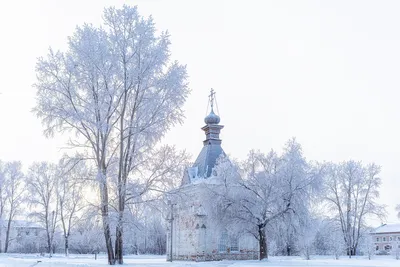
<point x="211" y="97"/>
<point x="212" y="118"/>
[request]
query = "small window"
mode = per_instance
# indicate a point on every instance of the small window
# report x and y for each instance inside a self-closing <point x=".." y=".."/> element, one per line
<point x="377" y="239"/>
<point x="234" y="244"/>
<point x="377" y="248"/>
<point x="388" y="247"/>
<point x="398" y="246"/>
<point x="398" y="238"/>
<point x="384" y="239"/>
<point x="390" y="238"/>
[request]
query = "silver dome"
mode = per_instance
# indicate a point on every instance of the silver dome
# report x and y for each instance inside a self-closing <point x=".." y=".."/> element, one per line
<point x="212" y="118"/>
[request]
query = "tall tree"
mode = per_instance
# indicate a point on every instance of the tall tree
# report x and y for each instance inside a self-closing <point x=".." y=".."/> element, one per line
<point x="42" y="183"/>
<point x="352" y="190"/>
<point x="14" y="188"/>
<point x="116" y="88"/>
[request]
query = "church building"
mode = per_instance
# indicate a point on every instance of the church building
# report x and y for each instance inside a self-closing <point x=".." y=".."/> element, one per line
<point x="197" y="230"/>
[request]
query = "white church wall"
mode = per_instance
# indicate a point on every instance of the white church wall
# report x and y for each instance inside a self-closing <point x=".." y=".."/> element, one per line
<point x="198" y="228"/>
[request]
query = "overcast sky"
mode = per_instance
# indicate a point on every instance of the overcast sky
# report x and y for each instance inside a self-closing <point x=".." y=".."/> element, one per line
<point x="324" y="72"/>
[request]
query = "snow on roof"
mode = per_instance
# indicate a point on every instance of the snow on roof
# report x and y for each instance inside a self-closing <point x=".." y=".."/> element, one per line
<point x="387" y="228"/>
<point x="207" y="158"/>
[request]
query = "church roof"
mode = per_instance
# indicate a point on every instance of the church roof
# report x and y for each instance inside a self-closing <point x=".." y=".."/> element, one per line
<point x="211" y="151"/>
<point x="207" y="158"/>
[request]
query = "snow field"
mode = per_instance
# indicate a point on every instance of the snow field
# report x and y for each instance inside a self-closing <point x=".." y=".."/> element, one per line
<point x="22" y="260"/>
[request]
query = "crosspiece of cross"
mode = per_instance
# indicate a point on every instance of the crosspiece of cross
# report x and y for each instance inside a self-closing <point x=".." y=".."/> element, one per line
<point x="211" y="96"/>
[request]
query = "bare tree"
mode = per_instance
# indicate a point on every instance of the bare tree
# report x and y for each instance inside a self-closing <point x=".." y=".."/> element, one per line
<point x="352" y="190"/>
<point x="2" y="201"/>
<point x="42" y="182"/>
<point x="70" y="196"/>
<point x="14" y="188"/>
<point x="117" y="90"/>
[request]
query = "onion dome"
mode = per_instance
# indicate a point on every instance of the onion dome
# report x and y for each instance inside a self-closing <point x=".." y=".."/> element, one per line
<point x="212" y="118"/>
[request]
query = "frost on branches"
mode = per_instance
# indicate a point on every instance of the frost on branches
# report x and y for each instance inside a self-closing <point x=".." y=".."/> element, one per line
<point x="116" y="89"/>
<point x="271" y="186"/>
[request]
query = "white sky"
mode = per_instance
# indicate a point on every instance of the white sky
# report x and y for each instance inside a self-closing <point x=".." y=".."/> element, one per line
<point x="325" y="72"/>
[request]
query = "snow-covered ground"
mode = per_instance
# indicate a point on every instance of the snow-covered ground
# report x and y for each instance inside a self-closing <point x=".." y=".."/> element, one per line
<point x="21" y="260"/>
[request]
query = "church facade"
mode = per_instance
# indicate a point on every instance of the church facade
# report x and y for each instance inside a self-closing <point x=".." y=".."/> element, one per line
<point x="197" y="230"/>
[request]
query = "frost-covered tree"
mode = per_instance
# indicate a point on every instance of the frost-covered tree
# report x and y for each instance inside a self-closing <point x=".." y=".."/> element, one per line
<point x="2" y="201"/>
<point x="307" y="233"/>
<point x="398" y="211"/>
<point x="42" y="183"/>
<point x="367" y="245"/>
<point x="14" y="189"/>
<point x="352" y="190"/>
<point x="70" y="192"/>
<point x="86" y="234"/>
<point x="286" y="232"/>
<point x="117" y="90"/>
<point x="272" y="186"/>
<point x="337" y="246"/>
<point x="146" y="233"/>
<point x="159" y="172"/>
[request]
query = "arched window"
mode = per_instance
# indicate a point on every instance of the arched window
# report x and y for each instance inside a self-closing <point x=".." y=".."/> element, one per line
<point x="223" y="241"/>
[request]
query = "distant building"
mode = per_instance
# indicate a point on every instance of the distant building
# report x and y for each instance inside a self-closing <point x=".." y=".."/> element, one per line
<point x="25" y="236"/>
<point x="197" y="231"/>
<point x="386" y="238"/>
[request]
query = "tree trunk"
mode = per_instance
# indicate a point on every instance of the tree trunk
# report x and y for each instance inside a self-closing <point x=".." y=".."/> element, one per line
<point x="351" y="252"/>
<point x="66" y="242"/>
<point x="105" y="218"/>
<point x="262" y="243"/>
<point x="48" y="243"/>
<point x="348" y="217"/>
<point x="119" y="244"/>
<point x="120" y="227"/>
<point x="1" y="222"/>
<point x="7" y="235"/>
<point x="122" y="176"/>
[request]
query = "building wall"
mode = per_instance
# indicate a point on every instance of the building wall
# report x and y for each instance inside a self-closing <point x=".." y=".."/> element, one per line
<point x="386" y="242"/>
<point x="199" y="234"/>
